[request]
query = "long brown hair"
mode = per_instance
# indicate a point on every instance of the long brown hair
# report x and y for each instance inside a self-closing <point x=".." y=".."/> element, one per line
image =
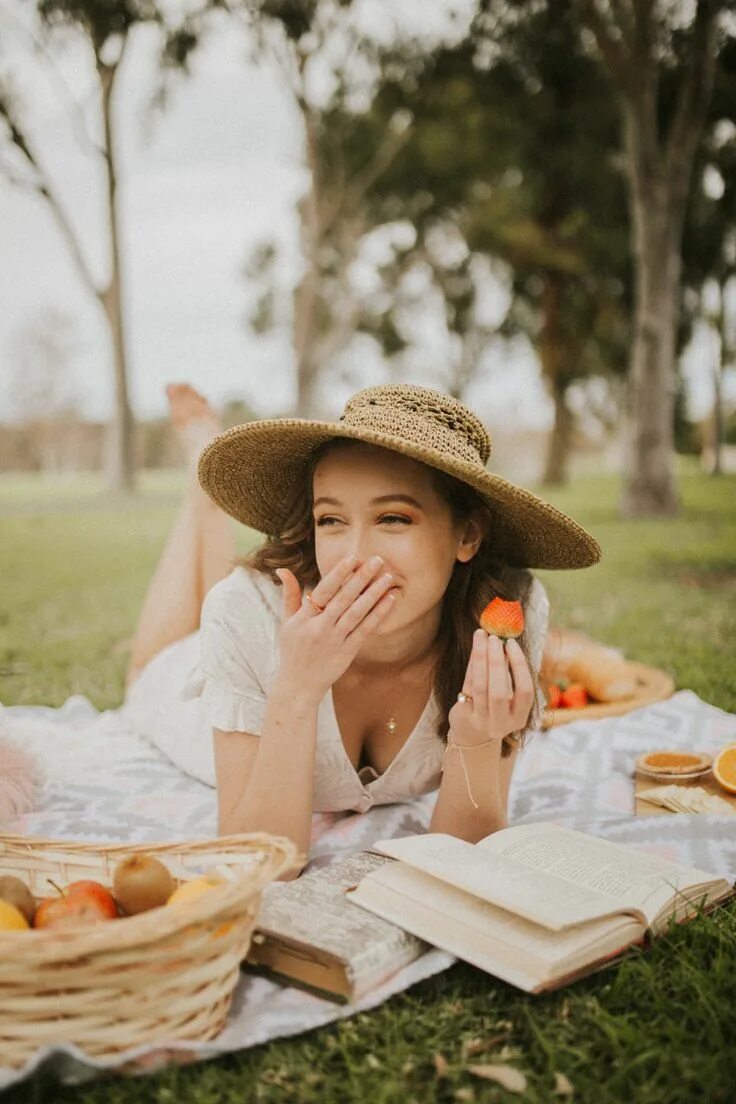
<point x="471" y="586"/>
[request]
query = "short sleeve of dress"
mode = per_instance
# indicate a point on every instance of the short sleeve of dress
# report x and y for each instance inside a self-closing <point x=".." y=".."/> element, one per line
<point x="235" y="646"/>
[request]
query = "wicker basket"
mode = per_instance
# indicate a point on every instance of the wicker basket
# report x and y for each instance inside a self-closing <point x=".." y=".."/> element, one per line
<point x="164" y="975"/>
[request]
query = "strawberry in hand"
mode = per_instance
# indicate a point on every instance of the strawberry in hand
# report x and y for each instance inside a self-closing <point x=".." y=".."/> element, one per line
<point x="503" y="619"/>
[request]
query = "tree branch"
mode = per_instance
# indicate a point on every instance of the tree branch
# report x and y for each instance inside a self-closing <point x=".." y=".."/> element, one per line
<point x="43" y="186"/>
<point x="625" y="22"/>
<point x="79" y="123"/>
<point x="384" y="156"/>
<point x="694" y="92"/>
<point x="74" y="247"/>
<point x="615" y="56"/>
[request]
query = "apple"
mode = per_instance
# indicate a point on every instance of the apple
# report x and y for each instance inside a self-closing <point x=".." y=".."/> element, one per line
<point x="84" y="904"/>
<point x="95" y="891"/>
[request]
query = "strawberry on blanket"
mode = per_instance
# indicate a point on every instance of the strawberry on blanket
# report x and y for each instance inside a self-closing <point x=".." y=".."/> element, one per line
<point x="554" y="693"/>
<point x="574" y="696"/>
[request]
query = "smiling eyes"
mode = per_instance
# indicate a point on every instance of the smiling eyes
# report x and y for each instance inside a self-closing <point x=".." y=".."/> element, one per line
<point x="391" y="519"/>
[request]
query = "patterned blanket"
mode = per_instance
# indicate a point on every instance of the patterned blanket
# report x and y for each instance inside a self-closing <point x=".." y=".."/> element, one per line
<point x="104" y="783"/>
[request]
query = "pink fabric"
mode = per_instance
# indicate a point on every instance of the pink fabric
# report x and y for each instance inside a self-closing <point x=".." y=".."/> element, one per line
<point x="20" y="780"/>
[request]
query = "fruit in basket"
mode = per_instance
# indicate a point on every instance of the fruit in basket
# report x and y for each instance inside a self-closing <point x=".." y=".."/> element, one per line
<point x="142" y="883"/>
<point x="574" y="696"/>
<point x="11" y="918"/>
<point x="15" y="892"/>
<point x="73" y="906"/>
<point x="190" y="891"/>
<point x="504" y="619"/>
<point x="724" y="768"/>
<point x="97" y="893"/>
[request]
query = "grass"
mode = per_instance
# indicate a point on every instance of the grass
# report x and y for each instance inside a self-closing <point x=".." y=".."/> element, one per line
<point x="657" y="1029"/>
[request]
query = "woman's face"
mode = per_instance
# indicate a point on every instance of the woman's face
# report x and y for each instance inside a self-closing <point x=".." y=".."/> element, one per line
<point x="371" y="501"/>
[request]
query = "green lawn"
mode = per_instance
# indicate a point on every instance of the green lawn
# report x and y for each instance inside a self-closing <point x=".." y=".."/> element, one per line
<point x="658" y="1028"/>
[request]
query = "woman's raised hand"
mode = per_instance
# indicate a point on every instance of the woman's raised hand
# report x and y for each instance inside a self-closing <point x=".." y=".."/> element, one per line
<point x="499" y="692"/>
<point x="318" y="647"/>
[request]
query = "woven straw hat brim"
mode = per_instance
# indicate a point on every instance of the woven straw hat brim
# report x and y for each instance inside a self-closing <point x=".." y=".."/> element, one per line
<point x="252" y="472"/>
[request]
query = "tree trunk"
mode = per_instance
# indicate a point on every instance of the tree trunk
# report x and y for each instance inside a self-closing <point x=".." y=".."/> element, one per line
<point x="120" y="459"/>
<point x="306" y="295"/>
<point x="717" y="424"/>
<point x="553" y="352"/>
<point x="716" y="418"/>
<point x="560" y="440"/>
<point x="649" y="485"/>
<point x="659" y="164"/>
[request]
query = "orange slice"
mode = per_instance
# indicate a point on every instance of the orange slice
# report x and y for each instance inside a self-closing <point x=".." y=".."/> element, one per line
<point x="724" y="768"/>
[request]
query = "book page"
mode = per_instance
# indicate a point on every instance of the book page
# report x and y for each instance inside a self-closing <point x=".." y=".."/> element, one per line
<point x="575" y="877"/>
<point x="636" y="879"/>
<point x="505" y="945"/>
<point x="543" y="898"/>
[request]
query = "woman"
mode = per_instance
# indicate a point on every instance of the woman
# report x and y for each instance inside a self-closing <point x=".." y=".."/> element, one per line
<point x="341" y="665"/>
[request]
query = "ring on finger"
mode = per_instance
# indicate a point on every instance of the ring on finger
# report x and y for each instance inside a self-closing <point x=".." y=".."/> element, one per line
<point x="465" y="698"/>
<point x="317" y="608"/>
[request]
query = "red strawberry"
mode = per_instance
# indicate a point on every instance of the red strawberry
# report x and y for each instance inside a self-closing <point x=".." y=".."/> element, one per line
<point x="554" y="693"/>
<point x="575" y="697"/>
<point x="504" y="619"/>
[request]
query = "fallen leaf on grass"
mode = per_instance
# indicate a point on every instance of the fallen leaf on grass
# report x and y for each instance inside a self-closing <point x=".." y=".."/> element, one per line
<point x="511" y="1079"/>
<point x="476" y="1046"/>
<point x="562" y="1085"/>
<point x="372" y="1061"/>
<point x="464" y="1094"/>
<point x="440" y="1064"/>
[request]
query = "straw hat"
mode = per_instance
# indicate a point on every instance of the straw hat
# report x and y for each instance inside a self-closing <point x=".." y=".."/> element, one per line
<point x="252" y="471"/>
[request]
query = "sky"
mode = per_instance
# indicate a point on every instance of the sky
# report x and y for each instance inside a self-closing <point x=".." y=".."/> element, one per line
<point x="200" y="185"/>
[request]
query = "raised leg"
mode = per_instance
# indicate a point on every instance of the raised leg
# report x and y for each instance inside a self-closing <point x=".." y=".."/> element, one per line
<point x="199" y="551"/>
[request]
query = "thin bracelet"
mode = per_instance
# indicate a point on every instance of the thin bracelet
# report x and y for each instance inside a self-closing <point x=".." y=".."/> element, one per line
<point x="451" y="745"/>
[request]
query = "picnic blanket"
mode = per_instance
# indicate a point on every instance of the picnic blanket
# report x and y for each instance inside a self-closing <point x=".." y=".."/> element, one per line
<point x="102" y="782"/>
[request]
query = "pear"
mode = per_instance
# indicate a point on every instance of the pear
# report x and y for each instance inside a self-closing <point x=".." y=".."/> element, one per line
<point x="16" y="893"/>
<point x="141" y="883"/>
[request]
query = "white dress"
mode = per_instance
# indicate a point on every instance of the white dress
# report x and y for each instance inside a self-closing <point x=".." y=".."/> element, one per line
<point x="221" y="675"/>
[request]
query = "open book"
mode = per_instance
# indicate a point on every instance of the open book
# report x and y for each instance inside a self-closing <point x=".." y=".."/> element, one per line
<point x="536" y="905"/>
<point x="310" y="934"/>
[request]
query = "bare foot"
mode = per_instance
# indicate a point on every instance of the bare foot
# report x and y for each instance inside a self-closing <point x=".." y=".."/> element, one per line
<point x="192" y="418"/>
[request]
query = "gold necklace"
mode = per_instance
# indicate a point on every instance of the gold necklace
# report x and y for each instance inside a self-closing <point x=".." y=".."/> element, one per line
<point x="391" y="724"/>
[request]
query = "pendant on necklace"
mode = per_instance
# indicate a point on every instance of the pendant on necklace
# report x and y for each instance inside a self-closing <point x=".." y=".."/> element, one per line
<point x="391" y="725"/>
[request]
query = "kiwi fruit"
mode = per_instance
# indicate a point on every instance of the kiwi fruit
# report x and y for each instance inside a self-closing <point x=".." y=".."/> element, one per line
<point x="17" y="893"/>
<point x="141" y="883"/>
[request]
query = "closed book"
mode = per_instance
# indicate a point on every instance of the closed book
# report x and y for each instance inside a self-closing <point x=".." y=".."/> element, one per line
<point x="308" y="933"/>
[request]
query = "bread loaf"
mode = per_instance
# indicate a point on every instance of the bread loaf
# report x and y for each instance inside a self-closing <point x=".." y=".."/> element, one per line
<point x="605" y="678"/>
